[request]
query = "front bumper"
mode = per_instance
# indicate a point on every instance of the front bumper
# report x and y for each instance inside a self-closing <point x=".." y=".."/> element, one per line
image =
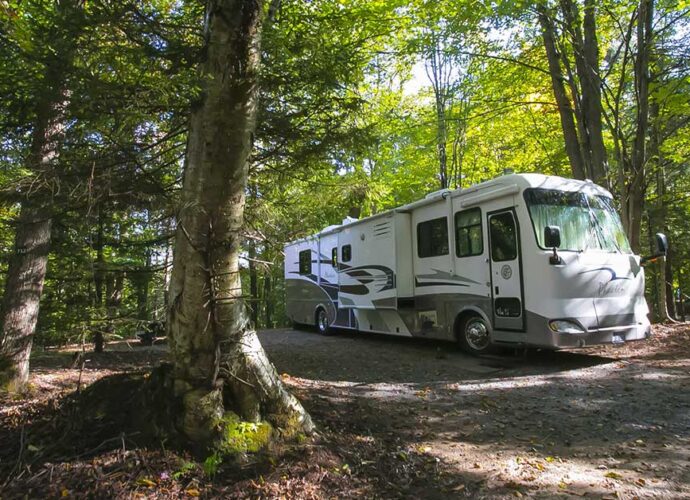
<point x="613" y="335"/>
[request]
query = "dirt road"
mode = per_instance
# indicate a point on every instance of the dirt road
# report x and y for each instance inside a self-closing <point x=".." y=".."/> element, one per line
<point x="609" y="422"/>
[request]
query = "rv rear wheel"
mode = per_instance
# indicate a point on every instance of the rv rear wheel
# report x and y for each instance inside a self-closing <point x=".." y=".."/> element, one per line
<point x="474" y="336"/>
<point x="322" y="324"/>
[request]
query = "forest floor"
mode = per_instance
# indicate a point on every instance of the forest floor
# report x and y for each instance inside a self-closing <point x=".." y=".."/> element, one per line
<point x="396" y="418"/>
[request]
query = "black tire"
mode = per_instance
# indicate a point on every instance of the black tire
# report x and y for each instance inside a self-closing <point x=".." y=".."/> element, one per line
<point x="322" y="324"/>
<point x="474" y="335"/>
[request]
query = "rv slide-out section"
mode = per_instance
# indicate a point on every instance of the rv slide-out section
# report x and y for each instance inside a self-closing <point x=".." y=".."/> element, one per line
<point x="470" y="265"/>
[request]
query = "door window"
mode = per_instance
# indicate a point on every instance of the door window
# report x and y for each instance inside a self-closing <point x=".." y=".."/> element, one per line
<point x="503" y="237"/>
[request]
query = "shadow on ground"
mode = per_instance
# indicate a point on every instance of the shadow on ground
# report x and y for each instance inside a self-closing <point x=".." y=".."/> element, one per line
<point x="548" y="423"/>
<point x="371" y="358"/>
<point x="397" y="418"/>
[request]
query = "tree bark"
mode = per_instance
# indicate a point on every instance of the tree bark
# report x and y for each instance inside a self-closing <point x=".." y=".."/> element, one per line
<point x="583" y="36"/>
<point x="565" y="109"/>
<point x="268" y="299"/>
<point x="636" y="187"/>
<point x="29" y="262"/>
<point x="253" y="284"/>
<point x="23" y="289"/>
<point x="219" y="364"/>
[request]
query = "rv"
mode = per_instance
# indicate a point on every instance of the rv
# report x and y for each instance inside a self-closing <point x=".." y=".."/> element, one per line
<point x="523" y="260"/>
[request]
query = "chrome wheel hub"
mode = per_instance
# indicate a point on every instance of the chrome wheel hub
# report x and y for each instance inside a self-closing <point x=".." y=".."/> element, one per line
<point x="477" y="334"/>
<point x="323" y="321"/>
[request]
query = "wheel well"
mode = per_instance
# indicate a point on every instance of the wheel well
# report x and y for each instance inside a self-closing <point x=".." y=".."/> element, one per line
<point x="467" y="313"/>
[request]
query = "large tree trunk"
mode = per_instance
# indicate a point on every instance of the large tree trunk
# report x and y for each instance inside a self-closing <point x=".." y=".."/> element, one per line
<point x="565" y="109"/>
<point x="29" y="262"/>
<point x="581" y="113"/>
<point x="583" y="37"/>
<point x="637" y="187"/>
<point x="219" y="364"/>
<point x="27" y="267"/>
<point x="23" y="289"/>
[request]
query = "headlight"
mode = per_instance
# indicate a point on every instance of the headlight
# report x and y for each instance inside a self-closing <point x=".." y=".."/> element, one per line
<point x="565" y="326"/>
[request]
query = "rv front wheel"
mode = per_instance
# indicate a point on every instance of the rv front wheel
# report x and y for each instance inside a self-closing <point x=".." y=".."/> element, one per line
<point x="474" y="336"/>
<point x="322" y="322"/>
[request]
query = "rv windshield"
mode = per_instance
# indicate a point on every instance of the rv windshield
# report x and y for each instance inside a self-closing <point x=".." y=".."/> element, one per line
<point x="587" y="222"/>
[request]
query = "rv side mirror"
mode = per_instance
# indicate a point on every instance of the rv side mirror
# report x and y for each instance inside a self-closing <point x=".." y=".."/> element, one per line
<point x="661" y="244"/>
<point x="661" y="249"/>
<point x="552" y="236"/>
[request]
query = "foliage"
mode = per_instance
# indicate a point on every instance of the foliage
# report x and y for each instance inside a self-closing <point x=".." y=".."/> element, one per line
<point x="348" y="125"/>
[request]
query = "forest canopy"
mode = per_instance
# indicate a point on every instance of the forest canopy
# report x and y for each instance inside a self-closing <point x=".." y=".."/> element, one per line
<point x="362" y="106"/>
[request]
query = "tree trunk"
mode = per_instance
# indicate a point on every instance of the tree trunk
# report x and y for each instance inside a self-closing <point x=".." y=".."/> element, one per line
<point x="28" y="265"/>
<point x="268" y="299"/>
<point x="219" y="364"/>
<point x="441" y="142"/>
<point x="253" y="284"/>
<point x="99" y="265"/>
<point x="23" y="289"/>
<point x="141" y="281"/>
<point x="636" y="189"/>
<point x="668" y="274"/>
<point x="29" y="262"/>
<point x="565" y="109"/>
<point x="586" y="54"/>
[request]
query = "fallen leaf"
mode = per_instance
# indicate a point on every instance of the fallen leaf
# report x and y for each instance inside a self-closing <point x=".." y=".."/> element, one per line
<point x="192" y="492"/>
<point x="144" y="481"/>
<point x="613" y="475"/>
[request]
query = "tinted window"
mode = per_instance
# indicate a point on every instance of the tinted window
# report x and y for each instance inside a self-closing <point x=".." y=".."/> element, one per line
<point x="305" y="262"/>
<point x="432" y="237"/>
<point x="468" y="233"/>
<point x="503" y="240"/>
<point x="346" y="253"/>
<point x="334" y="256"/>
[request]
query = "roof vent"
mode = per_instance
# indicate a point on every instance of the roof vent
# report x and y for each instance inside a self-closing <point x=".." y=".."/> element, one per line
<point x="349" y="220"/>
<point x="508" y="171"/>
<point x="441" y="193"/>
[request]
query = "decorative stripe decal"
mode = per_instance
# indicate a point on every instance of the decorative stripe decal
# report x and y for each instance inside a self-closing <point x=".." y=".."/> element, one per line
<point x="418" y="283"/>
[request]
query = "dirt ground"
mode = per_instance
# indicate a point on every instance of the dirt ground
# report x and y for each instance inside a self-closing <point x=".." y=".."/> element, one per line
<point x="399" y="418"/>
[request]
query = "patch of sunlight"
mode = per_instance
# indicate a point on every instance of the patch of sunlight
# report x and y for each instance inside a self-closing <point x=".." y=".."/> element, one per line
<point x="660" y="376"/>
<point x="533" y="473"/>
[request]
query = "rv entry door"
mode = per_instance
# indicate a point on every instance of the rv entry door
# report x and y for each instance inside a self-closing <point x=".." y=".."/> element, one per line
<point x="506" y="271"/>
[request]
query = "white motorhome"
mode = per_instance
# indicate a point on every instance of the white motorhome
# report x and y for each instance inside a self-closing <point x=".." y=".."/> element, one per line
<point x="521" y="260"/>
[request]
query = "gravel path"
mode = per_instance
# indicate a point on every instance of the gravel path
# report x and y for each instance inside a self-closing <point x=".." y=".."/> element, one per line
<point x="611" y="422"/>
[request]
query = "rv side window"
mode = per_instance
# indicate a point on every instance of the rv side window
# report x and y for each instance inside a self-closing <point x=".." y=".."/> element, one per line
<point x="305" y="262"/>
<point x="334" y="256"/>
<point x="503" y="241"/>
<point x="468" y="233"/>
<point x="432" y="237"/>
<point x="346" y="253"/>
